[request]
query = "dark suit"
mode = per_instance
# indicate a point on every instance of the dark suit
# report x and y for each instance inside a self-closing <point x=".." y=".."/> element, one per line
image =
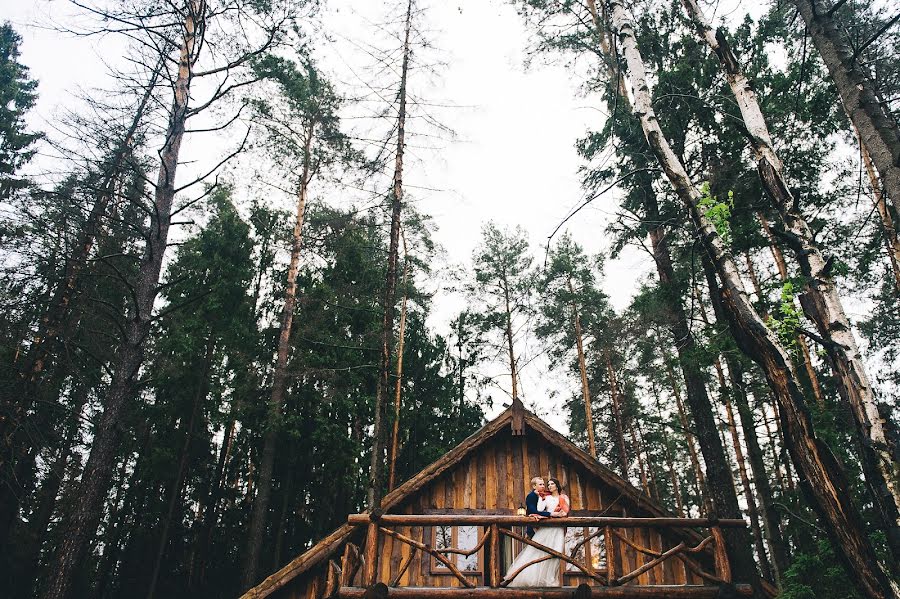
<point x="531" y="501"/>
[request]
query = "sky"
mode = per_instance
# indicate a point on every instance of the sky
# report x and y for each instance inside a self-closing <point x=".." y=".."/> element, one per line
<point x="511" y="158"/>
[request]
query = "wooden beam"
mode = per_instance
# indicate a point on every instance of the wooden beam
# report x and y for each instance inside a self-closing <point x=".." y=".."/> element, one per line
<point x="723" y="565"/>
<point x="333" y="579"/>
<point x="599" y="592"/>
<point x="370" y="571"/>
<point x="494" y="557"/>
<point x="488" y="519"/>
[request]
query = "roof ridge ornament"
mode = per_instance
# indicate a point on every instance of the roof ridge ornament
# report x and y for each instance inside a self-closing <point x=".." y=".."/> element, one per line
<point x="517" y="423"/>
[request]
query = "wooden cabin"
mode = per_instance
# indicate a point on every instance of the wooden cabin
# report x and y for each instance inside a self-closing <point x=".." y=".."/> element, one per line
<point x="453" y="530"/>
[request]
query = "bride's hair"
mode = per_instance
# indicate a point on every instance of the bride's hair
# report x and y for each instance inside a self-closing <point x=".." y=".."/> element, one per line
<point x="559" y="486"/>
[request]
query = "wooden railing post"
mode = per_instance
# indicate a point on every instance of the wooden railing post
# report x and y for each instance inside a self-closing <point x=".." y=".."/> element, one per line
<point x="494" y="556"/>
<point x="610" y="555"/>
<point x="370" y="575"/>
<point x="723" y="566"/>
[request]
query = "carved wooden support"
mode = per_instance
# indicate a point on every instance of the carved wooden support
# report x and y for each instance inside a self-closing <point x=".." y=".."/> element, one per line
<point x="494" y="556"/>
<point x="370" y="571"/>
<point x="723" y="566"/>
<point x="610" y="555"/>
<point x="512" y="575"/>
<point x="332" y="579"/>
<point x="554" y="553"/>
<point x="350" y="563"/>
<point x="427" y="549"/>
<point x="404" y="566"/>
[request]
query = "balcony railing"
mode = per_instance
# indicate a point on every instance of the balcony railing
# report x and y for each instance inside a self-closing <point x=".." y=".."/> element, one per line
<point x="604" y="582"/>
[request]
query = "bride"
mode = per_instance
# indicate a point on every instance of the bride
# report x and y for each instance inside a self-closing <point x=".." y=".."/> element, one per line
<point x="544" y="573"/>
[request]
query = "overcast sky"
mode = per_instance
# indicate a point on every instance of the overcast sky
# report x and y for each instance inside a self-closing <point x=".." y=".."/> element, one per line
<point x="511" y="160"/>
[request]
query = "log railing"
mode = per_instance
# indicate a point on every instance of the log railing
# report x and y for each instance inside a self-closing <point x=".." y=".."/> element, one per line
<point x="497" y="526"/>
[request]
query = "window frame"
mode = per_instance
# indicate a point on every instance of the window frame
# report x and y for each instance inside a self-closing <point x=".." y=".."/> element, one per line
<point x="437" y="568"/>
<point x="588" y="555"/>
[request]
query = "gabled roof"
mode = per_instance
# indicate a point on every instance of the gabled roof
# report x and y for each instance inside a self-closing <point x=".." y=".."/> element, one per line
<point x="512" y="416"/>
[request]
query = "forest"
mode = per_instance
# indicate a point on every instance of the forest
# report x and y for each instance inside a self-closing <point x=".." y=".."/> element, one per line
<point x="210" y="356"/>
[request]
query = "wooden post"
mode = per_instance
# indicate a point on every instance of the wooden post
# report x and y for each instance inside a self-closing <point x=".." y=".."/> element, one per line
<point x="495" y="576"/>
<point x="610" y="555"/>
<point x="332" y="580"/>
<point x="350" y="563"/>
<point x="723" y="567"/>
<point x="370" y="575"/>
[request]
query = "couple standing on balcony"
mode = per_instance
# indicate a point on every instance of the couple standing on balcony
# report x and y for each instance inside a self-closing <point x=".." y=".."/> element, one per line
<point x="544" y="501"/>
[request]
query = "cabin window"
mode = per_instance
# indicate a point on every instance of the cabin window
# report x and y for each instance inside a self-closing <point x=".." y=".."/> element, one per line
<point x="592" y="552"/>
<point x="457" y="537"/>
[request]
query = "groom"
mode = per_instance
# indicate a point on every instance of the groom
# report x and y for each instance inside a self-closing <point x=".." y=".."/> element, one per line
<point x="538" y="490"/>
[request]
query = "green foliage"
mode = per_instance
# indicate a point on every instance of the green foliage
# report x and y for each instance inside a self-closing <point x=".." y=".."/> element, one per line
<point x="503" y="288"/>
<point x="817" y="575"/>
<point x="787" y="321"/>
<point x="17" y="96"/>
<point x="719" y="212"/>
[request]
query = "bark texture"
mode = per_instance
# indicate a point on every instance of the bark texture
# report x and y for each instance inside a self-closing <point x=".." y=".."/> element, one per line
<point x="582" y="369"/>
<point x="84" y="518"/>
<point x="376" y="465"/>
<point x="398" y="385"/>
<point x="878" y="132"/>
<point x="823" y="478"/>
<point x="256" y="530"/>
<point x="821" y="302"/>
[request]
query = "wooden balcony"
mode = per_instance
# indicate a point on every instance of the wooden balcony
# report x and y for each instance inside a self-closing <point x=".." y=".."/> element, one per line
<point x="700" y="555"/>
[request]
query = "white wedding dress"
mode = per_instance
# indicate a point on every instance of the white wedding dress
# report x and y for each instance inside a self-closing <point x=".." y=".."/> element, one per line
<point x="545" y="573"/>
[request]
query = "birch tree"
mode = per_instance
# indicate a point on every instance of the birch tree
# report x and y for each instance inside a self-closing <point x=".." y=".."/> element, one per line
<point x="821" y="301"/>
<point x="823" y="477"/>
<point x="878" y="131"/>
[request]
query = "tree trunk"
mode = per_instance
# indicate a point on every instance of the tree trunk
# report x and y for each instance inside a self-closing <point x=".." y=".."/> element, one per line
<point x="781" y="265"/>
<point x="287" y="495"/>
<point x="17" y="446"/>
<point x="178" y="483"/>
<point x="376" y="465"/>
<point x="687" y="431"/>
<point x="47" y="496"/>
<point x="670" y="464"/>
<point x="84" y="518"/>
<point x="878" y="131"/>
<point x="645" y="482"/>
<point x="824" y="479"/>
<point x="719" y="481"/>
<point x="771" y="521"/>
<point x="752" y="510"/>
<point x="257" y="528"/>
<point x="53" y="319"/>
<point x="820" y="300"/>
<point x="617" y="414"/>
<point x="509" y="343"/>
<point x="197" y="577"/>
<point x="582" y="369"/>
<point x="725" y="393"/>
<point x="888" y="230"/>
<point x="395" y="430"/>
